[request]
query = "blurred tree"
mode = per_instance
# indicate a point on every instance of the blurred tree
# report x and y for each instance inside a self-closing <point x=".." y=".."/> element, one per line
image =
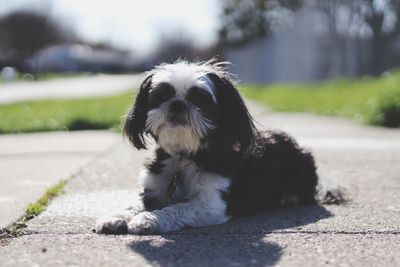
<point x="22" y="33"/>
<point x="175" y="47"/>
<point x="379" y="20"/>
<point x="245" y="20"/>
<point x="383" y="18"/>
<point x="181" y="46"/>
<point x="349" y="24"/>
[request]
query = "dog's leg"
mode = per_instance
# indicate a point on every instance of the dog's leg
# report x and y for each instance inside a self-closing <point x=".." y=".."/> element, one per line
<point x="206" y="207"/>
<point x="176" y="217"/>
<point x="117" y="223"/>
<point x="153" y="196"/>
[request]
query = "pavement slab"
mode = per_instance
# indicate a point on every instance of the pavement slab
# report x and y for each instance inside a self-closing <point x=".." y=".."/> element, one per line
<point x="32" y="163"/>
<point x="363" y="232"/>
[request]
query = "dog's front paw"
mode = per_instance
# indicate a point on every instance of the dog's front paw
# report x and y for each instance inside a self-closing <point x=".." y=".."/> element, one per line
<point x="145" y="223"/>
<point x="111" y="226"/>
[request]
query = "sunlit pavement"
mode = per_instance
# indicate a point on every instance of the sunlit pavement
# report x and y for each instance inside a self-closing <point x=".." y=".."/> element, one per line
<point x="32" y="163"/>
<point x="66" y="88"/>
<point x="364" y="232"/>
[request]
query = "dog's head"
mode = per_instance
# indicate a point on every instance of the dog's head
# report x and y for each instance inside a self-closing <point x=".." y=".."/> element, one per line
<point x="184" y="105"/>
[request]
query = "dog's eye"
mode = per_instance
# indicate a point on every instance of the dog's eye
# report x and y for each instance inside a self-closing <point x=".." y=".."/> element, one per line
<point x="161" y="93"/>
<point x="199" y="97"/>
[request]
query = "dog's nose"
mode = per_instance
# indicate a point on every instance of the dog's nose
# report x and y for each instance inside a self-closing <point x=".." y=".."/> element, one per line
<point x="177" y="107"/>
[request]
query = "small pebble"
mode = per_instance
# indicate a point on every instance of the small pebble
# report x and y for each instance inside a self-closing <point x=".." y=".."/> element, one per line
<point x="44" y="250"/>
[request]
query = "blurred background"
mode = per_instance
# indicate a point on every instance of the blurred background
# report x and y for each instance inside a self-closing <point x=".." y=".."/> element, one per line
<point x="336" y="57"/>
<point x="266" y="39"/>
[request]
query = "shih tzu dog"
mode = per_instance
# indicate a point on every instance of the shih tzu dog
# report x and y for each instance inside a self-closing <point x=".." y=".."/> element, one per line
<point x="211" y="163"/>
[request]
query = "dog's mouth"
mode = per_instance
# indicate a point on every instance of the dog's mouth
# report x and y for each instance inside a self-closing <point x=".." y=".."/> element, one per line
<point x="194" y="123"/>
<point x="177" y="138"/>
<point x="177" y="119"/>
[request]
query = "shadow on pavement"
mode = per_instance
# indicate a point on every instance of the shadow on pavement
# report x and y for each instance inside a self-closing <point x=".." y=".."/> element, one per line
<point x="241" y="242"/>
<point x="208" y="250"/>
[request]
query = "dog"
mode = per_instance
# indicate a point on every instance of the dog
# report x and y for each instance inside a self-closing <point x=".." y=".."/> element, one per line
<point x="211" y="163"/>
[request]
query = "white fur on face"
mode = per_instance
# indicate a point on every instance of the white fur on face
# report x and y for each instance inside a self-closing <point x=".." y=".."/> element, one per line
<point x="182" y="76"/>
<point x="177" y="138"/>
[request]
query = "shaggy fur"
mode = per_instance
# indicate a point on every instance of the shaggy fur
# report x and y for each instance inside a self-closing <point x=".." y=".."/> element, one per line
<point x="211" y="163"/>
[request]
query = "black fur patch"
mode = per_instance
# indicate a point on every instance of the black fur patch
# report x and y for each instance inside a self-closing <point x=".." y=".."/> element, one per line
<point x="275" y="166"/>
<point x="150" y="202"/>
<point x="156" y="165"/>
<point x="200" y="98"/>
<point x="135" y="123"/>
<point x="159" y="94"/>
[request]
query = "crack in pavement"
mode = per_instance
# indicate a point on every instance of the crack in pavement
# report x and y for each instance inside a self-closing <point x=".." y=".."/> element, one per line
<point x="231" y="233"/>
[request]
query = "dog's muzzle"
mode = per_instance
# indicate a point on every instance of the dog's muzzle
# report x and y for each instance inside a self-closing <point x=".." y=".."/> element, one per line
<point x="178" y="112"/>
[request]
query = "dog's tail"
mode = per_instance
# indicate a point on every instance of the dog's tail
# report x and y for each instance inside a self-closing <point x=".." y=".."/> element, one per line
<point x="331" y="195"/>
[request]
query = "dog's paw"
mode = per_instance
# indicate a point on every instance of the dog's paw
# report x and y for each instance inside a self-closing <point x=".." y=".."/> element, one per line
<point x="145" y="223"/>
<point x="111" y="226"/>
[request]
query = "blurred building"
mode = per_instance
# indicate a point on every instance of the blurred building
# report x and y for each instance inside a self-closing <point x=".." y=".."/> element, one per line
<point x="306" y="52"/>
<point x="83" y="58"/>
<point x="290" y="55"/>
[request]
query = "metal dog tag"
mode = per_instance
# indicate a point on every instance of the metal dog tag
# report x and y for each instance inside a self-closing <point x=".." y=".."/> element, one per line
<point x="176" y="189"/>
<point x="172" y="185"/>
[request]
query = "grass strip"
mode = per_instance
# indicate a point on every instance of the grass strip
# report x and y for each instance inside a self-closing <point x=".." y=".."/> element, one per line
<point x="33" y="209"/>
<point x="373" y="101"/>
<point x="71" y="114"/>
<point x="39" y="206"/>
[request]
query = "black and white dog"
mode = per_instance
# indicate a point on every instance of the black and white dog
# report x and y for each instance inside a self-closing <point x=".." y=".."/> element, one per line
<point x="211" y="164"/>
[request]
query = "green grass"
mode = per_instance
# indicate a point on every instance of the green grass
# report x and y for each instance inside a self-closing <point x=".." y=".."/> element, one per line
<point x="373" y="101"/>
<point x="39" y="206"/>
<point x="33" y="209"/>
<point x="53" y="115"/>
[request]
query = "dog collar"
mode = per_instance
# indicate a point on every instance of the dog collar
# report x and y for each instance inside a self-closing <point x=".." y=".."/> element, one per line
<point x="176" y="188"/>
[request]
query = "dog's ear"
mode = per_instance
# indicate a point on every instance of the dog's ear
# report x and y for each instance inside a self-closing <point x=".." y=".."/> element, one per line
<point x="135" y="123"/>
<point x="236" y="122"/>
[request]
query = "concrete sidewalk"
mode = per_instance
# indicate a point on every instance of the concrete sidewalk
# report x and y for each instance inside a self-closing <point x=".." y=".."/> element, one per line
<point x="32" y="163"/>
<point x="364" y="232"/>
